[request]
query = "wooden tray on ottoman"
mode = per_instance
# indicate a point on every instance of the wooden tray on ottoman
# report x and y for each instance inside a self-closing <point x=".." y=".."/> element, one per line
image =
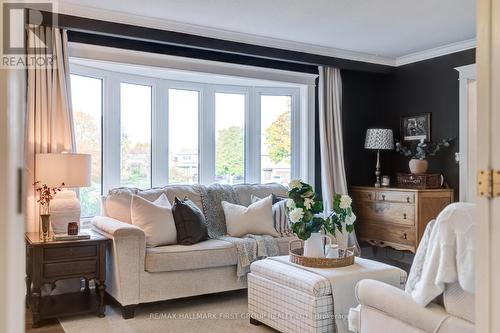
<point x="346" y="257"/>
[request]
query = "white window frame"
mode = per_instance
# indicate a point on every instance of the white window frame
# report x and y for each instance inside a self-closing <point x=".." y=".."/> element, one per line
<point x="302" y="125"/>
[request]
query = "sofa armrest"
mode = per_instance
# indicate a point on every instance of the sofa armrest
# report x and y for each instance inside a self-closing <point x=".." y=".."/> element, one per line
<point x="125" y="258"/>
<point x="396" y="303"/>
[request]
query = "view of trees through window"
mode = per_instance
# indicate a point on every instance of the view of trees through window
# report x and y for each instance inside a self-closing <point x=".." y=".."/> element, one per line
<point x="86" y="93"/>
<point x="183" y="136"/>
<point x="276" y="139"/>
<point x="135" y="121"/>
<point x="229" y="138"/>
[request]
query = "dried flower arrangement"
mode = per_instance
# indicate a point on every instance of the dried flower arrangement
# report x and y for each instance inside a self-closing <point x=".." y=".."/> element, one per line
<point x="45" y="195"/>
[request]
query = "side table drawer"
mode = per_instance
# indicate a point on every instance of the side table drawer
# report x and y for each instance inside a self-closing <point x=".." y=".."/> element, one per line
<point x="388" y="233"/>
<point x="63" y="269"/>
<point x="396" y="196"/>
<point x="69" y="252"/>
<point x="386" y="212"/>
<point x="363" y="195"/>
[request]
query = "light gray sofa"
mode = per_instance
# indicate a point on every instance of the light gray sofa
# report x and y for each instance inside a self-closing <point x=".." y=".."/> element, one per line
<point x="137" y="274"/>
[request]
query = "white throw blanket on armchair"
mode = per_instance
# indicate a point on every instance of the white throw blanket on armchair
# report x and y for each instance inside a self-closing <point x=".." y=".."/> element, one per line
<point x="450" y="254"/>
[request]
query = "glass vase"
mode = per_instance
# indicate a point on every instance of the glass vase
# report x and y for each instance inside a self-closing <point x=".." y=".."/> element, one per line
<point x="44" y="227"/>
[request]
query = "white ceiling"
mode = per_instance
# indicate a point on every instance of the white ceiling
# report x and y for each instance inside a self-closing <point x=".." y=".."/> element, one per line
<point x="383" y="28"/>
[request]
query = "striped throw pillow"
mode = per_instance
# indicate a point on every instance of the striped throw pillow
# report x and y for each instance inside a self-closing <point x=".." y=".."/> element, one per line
<point x="281" y="222"/>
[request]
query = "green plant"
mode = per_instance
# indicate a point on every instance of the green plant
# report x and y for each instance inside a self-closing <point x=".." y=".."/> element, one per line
<point x="422" y="150"/>
<point x="306" y="213"/>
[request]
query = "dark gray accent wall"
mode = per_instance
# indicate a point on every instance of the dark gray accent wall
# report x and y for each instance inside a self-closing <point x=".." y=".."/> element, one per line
<point x="378" y="100"/>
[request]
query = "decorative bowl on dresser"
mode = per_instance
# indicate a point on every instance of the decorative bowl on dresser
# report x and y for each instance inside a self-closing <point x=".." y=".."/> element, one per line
<point x="50" y="261"/>
<point x="396" y="217"/>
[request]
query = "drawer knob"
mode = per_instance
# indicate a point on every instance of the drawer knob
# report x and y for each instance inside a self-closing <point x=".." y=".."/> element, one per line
<point x="405" y="236"/>
<point x="404" y="216"/>
<point x="408" y="199"/>
<point x="383" y="197"/>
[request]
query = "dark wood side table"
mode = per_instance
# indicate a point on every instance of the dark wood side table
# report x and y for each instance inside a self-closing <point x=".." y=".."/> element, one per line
<point x="50" y="261"/>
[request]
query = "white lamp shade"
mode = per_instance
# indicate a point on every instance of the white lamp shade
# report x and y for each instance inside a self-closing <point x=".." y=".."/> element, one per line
<point x="71" y="169"/>
<point x="379" y="138"/>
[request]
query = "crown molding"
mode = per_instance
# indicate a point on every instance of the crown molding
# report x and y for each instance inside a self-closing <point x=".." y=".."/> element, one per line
<point x="436" y="52"/>
<point x="150" y="22"/>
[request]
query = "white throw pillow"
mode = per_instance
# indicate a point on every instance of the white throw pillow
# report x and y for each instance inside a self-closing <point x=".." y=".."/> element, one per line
<point x="280" y="215"/>
<point x="156" y="219"/>
<point x="256" y="219"/>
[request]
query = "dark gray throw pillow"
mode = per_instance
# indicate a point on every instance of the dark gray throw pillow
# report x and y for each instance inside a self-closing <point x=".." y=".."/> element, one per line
<point x="189" y="222"/>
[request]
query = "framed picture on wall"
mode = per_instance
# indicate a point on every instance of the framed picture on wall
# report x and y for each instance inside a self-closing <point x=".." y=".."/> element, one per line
<point x="416" y="128"/>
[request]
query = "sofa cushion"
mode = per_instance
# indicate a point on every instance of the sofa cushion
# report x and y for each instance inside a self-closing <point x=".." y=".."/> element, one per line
<point x="206" y="254"/>
<point x="245" y="191"/>
<point x="117" y="203"/>
<point x="155" y="219"/>
<point x="280" y="215"/>
<point x="458" y="302"/>
<point x="189" y="222"/>
<point x="256" y="219"/>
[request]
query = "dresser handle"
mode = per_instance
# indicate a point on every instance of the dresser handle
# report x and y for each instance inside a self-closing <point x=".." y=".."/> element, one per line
<point x="383" y="197"/>
<point x="405" y="236"/>
<point x="404" y="216"/>
<point x="408" y="199"/>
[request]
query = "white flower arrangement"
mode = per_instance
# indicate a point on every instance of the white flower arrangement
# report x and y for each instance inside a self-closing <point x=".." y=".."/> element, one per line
<point x="345" y="201"/>
<point x="295" y="184"/>
<point x="307" y="215"/>
<point x="296" y="215"/>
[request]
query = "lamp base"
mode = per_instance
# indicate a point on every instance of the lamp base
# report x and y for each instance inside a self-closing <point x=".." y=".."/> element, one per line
<point x="64" y="208"/>
<point x="377" y="171"/>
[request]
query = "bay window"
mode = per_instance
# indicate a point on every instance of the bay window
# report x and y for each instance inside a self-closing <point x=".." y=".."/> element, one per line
<point x="152" y="130"/>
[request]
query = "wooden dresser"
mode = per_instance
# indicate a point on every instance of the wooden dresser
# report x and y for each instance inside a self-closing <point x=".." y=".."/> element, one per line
<point x="396" y="217"/>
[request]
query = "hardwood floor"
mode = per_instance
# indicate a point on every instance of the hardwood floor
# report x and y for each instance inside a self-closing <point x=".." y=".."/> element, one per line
<point x="48" y="326"/>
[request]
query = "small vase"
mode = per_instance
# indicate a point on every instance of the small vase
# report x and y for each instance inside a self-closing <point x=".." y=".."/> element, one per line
<point x="313" y="247"/>
<point x="418" y="166"/>
<point x="44" y="227"/>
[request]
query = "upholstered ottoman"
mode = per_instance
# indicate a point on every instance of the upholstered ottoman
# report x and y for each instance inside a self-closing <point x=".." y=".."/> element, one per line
<point x="292" y="298"/>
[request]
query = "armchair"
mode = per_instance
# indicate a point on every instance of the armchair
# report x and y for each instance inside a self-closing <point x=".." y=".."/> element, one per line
<point x="435" y="300"/>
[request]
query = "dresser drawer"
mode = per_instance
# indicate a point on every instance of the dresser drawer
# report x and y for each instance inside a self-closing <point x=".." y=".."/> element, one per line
<point x="69" y="252"/>
<point x="364" y="195"/>
<point x="386" y="212"/>
<point x="396" y="196"/>
<point x="387" y="233"/>
<point x="63" y="269"/>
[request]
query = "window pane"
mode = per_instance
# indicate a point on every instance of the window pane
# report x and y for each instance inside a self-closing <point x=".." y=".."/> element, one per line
<point x="229" y="138"/>
<point x="135" y="123"/>
<point x="183" y="136"/>
<point x="276" y="147"/>
<point x="86" y="93"/>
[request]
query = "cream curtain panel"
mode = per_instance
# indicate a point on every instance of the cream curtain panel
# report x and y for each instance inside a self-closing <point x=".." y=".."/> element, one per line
<point x="333" y="176"/>
<point x="49" y="127"/>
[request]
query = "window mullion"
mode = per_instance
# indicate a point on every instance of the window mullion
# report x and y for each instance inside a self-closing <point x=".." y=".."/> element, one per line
<point x="112" y="132"/>
<point x="159" y="129"/>
<point x="206" y="128"/>
<point x="253" y="135"/>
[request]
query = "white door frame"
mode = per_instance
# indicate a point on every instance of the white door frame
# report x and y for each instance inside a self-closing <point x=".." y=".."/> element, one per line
<point x="466" y="74"/>
<point x="488" y="157"/>
<point x="12" y="286"/>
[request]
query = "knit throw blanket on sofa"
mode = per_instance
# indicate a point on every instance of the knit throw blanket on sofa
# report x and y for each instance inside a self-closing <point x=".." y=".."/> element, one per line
<point x="249" y="247"/>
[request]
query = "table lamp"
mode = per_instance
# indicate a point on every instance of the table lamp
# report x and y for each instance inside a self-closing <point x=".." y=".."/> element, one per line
<point x="379" y="139"/>
<point x="74" y="171"/>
